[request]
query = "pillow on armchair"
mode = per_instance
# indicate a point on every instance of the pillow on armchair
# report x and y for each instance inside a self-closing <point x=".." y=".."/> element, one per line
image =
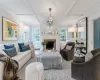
<point x="88" y="56"/>
<point x="68" y="47"/>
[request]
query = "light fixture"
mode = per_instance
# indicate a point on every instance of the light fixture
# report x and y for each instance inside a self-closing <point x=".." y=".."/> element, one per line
<point x="50" y="20"/>
<point x="81" y="29"/>
<point x="72" y="29"/>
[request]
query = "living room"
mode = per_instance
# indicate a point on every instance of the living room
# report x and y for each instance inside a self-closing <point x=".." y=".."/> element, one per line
<point x="49" y="39"/>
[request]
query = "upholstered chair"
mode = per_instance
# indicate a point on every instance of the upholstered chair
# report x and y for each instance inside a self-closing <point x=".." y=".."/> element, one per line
<point x="88" y="70"/>
<point x="66" y="53"/>
<point x="34" y="71"/>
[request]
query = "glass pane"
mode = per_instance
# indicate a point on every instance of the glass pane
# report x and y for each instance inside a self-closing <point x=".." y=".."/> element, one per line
<point x="63" y="35"/>
<point x="36" y="37"/>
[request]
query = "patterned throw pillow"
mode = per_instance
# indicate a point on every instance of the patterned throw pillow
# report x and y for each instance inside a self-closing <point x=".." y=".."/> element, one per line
<point x="9" y="46"/>
<point x="10" y="52"/>
<point x="20" y="46"/>
<point x="25" y="48"/>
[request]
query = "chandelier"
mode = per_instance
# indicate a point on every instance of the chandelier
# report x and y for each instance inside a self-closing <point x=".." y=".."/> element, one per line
<point x="50" y="20"/>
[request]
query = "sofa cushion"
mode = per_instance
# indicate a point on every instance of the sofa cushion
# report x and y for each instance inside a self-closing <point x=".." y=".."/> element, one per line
<point x="20" y="46"/>
<point x="9" y="46"/>
<point x="21" y="55"/>
<point x="25" y="48"/>
<point x="10" y="52"/>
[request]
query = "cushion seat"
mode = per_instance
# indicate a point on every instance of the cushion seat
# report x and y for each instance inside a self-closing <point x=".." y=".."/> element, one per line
<point x="21" y="55"/>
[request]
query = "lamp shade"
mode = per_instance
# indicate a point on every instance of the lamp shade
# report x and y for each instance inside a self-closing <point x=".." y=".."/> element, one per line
<point x="81" y="29"/>
<point x="72" y="29"/>
<point x="24" y="28"/>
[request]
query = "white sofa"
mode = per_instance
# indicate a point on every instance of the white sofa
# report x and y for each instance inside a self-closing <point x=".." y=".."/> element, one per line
<point x="21" y="57"/>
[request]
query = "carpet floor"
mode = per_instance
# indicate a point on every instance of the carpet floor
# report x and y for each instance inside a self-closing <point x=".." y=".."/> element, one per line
<point x="52" y="74"/>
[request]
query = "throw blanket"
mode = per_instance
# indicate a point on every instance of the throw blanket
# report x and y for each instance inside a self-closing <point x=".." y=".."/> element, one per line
<point x="10" y="68"/>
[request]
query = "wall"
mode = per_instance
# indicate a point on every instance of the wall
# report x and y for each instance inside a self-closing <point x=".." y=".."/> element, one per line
<point x="57" y="37"/>
<point x="92" y="15"/>
<point x="8" y="15"/>
<point x="12" y="17"/>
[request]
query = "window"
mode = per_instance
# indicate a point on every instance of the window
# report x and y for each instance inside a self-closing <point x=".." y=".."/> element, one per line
<point x="36" y="37"/>
<point x="63" y="35"/>
<point x="22" y="36"/>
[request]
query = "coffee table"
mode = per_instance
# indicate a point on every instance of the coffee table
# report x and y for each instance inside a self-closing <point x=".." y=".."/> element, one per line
<point x="50" y="60"/>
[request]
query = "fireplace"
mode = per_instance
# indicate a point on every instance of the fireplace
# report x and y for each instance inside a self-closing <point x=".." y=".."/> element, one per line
<point x="51" y="44"/>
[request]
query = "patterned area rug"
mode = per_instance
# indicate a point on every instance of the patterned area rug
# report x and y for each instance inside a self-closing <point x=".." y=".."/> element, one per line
<point x="64" y="74"/>
<point x="54" y="74"/>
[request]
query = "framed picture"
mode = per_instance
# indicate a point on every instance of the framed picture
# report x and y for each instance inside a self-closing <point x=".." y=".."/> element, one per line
<point x="9" y="30"/>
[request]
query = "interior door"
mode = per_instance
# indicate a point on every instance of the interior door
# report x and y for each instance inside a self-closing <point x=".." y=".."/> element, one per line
<point x="97" y="33"/>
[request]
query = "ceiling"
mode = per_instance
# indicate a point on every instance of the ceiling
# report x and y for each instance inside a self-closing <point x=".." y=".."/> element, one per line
<point x="34" y="12"/>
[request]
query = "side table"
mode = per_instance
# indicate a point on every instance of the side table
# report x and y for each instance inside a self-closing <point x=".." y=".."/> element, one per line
<point x="79" y="58"/>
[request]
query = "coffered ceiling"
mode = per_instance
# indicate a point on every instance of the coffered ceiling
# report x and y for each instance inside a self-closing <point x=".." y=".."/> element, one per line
<point x="34" y="12"/>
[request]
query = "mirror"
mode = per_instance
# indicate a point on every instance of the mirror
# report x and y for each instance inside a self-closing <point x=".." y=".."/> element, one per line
<point x="82" y="33"/>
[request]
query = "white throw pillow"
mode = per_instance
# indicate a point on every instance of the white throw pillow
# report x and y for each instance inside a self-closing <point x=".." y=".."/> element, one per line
<point x="88" y="56"/>
<point x="68" y="47"/>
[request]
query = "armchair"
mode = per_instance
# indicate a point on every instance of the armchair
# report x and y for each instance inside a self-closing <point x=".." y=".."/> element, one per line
<point x="89" y="70"/>
<point x="68" y="54"/>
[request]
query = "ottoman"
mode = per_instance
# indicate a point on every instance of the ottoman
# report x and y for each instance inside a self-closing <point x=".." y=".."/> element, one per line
<point x="50" y="60"/>
<point x="34" y="71"/>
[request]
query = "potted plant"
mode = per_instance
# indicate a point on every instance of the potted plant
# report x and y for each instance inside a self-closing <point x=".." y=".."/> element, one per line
<point x="44" y="45"/>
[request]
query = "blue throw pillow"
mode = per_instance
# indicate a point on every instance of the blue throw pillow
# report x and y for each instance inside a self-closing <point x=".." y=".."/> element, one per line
<point x="10" y="52"/>
<point x="25" y="48"/>
<point x="9" y="46"/>
<point x="20" y="46"/>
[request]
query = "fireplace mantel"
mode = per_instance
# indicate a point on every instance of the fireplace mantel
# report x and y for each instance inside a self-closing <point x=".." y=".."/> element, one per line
<point x="53" y="37"/>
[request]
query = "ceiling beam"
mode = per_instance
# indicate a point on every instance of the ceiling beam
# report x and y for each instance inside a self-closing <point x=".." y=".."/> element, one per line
<point x="71" y="6"/>
<point x="92" y="9"/>
<point x="30" y="7"/>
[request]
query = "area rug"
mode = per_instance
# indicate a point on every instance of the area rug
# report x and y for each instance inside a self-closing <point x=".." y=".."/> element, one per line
<point x="64" y="74"/>
<point x="52" y="74"/>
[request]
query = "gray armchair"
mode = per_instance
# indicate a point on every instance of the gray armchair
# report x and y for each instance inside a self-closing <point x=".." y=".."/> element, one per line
<point x="89" y="70"/>
<point x="68" y="54"/>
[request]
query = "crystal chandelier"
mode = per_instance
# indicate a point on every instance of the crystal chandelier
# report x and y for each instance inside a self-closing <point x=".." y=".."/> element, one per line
<point x="50" y="20"/>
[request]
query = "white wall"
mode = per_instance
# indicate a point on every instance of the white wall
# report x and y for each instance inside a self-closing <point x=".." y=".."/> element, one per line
<point x="92" y="15"/>
<point x="12" y="17"/>
<point x="8" y="15"/>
